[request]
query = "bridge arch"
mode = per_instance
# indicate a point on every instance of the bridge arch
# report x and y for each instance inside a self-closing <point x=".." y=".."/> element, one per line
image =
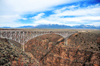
<point x="44" y="41"/>
<point x="42" y="35"/>
<point x="22" y="36"/>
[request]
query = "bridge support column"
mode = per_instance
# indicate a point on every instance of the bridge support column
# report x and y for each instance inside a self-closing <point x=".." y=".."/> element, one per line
<point x="65" y="42"/>
<point x="0" y="34"/>
<point x="23" y="48"/>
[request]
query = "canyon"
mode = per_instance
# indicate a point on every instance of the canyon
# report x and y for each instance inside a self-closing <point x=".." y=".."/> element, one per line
<point x="82" y="49"/>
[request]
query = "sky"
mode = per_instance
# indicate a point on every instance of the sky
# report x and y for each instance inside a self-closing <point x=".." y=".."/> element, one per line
<point x="15" y="13"/>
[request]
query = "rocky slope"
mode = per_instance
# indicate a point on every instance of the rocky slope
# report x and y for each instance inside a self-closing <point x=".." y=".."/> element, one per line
<point x="49" y="50"/>
<point x="82" y="49"/>
<point x="11" y="54"/>
<point x="85" y="41"/>
<point x="41" y="44"/>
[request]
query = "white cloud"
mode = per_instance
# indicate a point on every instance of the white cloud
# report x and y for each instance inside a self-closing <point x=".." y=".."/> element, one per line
<point x="95" y="23"/>
<point x="90" y="18"/>
<point x="15" y="24"/>
<point x="90" y="10"/>
<point x="12" y="10"/>
<point x="43" y="21"/>
<point x="8" y="18"/>
<point x="73" y="6"/>
<point x="82" y="16"/>
<point x="21" y="7"/>
<point x="24" y="18"/>
<point x="64" y="8"/>
<point x="60" y="10"/>
<point x="38" y="16"/>
<point x="29" y="6"/>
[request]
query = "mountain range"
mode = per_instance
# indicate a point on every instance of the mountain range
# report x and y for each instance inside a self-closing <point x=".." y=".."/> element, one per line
<point x="56" y="26"/>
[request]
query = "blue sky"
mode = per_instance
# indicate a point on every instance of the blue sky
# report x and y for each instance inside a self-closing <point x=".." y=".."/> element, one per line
<point x="15" y="13"/>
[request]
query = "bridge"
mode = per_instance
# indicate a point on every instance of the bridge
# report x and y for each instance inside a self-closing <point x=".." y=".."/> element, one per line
<point x="23" y="36"/>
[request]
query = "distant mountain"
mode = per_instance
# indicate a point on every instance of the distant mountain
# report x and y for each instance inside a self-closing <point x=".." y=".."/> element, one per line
<point x="25" y="27"/>
<point x="5" y="27"/>
<point x="56" y="26"/>
<point x="86" y="27"/>
<point x="52" y="26"/>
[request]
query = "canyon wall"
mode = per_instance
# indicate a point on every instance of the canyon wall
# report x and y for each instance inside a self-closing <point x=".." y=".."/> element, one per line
<point x="53" y="52"/>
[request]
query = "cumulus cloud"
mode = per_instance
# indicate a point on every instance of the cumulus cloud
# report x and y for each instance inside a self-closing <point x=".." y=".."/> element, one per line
<point x="29" y="6"/>
<point x="90" y="10"/>
<point x="9" y="8"/>
<point x="81" y="16"/>
<point x="11" y="11"/>
<point x="24" y="18"/>
<point x="64" y="8"/>
<point x="38" y="16"/>
<point x="8" y="18"/>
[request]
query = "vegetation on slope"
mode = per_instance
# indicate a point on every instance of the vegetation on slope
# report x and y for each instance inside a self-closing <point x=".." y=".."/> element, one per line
<point x="12" y="55"/>
<point x="85" y="41"/>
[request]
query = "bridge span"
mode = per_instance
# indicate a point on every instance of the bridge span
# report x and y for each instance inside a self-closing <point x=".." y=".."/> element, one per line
<point x="23" y="36"/>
